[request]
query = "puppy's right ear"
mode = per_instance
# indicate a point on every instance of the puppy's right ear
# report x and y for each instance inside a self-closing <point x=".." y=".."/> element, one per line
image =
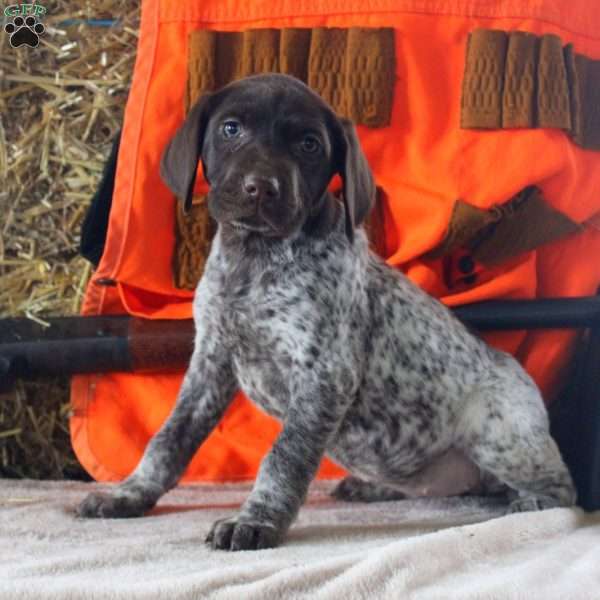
<point x="359" y="188"/>
<point x="179" y="161"/>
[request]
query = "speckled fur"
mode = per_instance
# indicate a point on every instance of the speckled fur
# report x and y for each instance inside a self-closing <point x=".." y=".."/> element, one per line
<point x="359" y="364"/>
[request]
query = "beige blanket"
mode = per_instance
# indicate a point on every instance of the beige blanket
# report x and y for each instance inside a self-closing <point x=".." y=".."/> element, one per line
<point x="426" y="549"/>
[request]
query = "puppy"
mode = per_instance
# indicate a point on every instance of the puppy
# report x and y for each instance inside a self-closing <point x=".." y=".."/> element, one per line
<point x="357" y="362"/>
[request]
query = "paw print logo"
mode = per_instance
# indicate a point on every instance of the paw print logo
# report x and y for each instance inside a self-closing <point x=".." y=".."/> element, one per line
<point x="24" y="31"/>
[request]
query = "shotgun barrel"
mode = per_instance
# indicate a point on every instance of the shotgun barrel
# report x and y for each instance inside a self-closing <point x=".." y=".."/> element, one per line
<point x="71" y="345"/>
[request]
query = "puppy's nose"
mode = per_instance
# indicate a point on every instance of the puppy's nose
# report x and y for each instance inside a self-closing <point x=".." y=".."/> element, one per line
<point x="261" y="188"/>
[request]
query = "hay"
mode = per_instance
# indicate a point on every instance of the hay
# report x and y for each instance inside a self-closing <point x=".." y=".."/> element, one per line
<point x="34" y="437"/>
<point x="61" y="105"/>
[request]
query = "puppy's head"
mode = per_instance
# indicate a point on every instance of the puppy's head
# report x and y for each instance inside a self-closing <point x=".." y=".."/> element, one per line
<point x="269" y="147"/>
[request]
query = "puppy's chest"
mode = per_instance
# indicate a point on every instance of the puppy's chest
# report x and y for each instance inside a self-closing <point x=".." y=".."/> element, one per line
<point x="269" y="338"/>
<point x="264" y="384"/>
<point x="263" y="356"/>
<point x="275" y="319"/>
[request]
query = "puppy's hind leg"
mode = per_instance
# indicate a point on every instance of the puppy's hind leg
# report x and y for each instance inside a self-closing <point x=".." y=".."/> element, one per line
<point x="505" y="432"/>
<point x="353" y="489"/>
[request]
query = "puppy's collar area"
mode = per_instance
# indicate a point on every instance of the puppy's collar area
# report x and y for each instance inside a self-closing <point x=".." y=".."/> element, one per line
<point x="326" y="219"/>
<point x="253" y="253"/>
<point x="258" y="251"/>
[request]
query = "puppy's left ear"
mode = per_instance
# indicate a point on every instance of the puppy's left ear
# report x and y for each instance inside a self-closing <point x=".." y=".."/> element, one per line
<point x="358" y="185"/>
<point x="179" y="161"/>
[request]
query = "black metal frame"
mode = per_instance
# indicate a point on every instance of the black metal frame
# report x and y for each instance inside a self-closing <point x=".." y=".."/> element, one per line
<point x="575" y="420"/>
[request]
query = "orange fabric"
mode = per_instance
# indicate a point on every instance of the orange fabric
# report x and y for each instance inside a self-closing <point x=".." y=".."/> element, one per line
<point x="423" y="162"/>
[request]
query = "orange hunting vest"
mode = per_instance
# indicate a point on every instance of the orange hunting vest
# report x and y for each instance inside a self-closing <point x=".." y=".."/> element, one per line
<point x="455" y="158"/>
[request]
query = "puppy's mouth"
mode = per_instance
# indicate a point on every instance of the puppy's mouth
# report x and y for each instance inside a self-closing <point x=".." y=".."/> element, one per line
<point x="241" y="226"/>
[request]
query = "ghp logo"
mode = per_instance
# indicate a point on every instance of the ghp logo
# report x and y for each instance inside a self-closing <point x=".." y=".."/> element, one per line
<point x="25" y="28"/>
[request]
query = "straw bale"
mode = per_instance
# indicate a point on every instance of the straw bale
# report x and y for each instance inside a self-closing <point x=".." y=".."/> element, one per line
<point x="61" y="105"/>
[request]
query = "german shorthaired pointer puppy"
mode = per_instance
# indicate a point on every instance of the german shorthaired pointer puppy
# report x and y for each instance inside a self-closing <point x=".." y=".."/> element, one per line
<point x="357" y="362"/>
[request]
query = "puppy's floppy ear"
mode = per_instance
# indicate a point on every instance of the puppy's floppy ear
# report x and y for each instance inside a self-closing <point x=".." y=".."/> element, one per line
<point x="358" y="185"/>
<point x="179" y="161"/>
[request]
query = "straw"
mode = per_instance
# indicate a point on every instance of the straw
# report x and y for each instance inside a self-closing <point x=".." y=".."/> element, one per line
<point x="61" y="105"/>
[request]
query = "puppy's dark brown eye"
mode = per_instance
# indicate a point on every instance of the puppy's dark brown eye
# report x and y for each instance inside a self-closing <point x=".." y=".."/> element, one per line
<point x="231" y="129"/>
<point x="310" y="144"/>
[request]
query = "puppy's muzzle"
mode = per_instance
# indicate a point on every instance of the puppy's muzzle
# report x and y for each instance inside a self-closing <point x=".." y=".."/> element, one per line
<point x="258" y="188"/>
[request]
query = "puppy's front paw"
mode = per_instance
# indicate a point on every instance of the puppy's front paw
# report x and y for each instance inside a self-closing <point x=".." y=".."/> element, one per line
<point x="111" y="506"/>
<point x="233" y="534"/>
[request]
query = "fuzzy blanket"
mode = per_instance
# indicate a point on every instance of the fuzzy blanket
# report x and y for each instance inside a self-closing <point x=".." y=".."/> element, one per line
<point x="421" y="549"/>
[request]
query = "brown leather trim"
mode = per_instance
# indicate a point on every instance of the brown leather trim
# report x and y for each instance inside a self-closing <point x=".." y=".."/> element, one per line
<point x="194" y="232"/>
<point x="493" y="236"/>
<point x="353" y="69"/>
<point x="526" y="222"/>
<point x="465" y="223"/>
<point x="517" y="79"/>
